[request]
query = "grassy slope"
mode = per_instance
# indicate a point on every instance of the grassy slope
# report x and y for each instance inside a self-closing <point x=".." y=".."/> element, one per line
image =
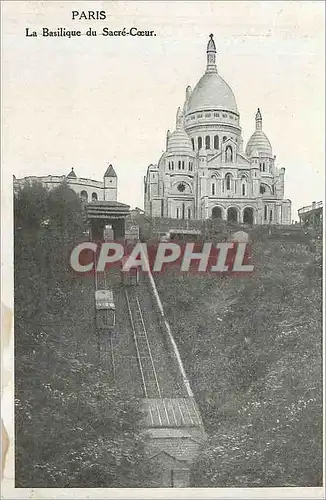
<point x="252" y="350"/>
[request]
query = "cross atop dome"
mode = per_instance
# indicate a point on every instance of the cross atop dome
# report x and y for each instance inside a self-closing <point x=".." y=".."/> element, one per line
<point x="211" y="55"/>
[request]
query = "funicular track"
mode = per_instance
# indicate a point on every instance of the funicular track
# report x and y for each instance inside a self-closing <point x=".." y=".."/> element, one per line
<point x="166" y="402"/>
<point x="162" y="411"/>
<point x="150" y="383"/>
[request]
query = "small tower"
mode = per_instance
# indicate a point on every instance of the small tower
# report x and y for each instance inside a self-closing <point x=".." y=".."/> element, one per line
<point x="110" y="184"/>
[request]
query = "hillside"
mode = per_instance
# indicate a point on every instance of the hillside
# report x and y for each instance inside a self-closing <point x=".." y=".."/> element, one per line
<point x="74" y="427"/>
<point x="252" y="349"/>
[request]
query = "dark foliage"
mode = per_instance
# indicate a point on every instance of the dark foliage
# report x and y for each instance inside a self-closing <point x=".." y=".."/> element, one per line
<point x="73" y="427"/>
<point x="252" y="349"/>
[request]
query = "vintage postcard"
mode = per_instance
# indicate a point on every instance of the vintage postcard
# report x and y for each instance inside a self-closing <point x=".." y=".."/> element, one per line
<point x="162" y="204"/>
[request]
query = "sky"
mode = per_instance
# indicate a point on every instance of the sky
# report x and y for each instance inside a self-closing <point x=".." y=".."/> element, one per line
<point x="88" y="101"/>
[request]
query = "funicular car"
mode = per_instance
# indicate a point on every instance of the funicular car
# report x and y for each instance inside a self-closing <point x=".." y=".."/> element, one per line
<point x="105" y="309"/>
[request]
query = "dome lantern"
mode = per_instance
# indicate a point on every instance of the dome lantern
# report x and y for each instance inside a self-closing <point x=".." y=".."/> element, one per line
<point x="259" y="120"/>
<point x="178" y="120"/>
<point x="211" y="55"/>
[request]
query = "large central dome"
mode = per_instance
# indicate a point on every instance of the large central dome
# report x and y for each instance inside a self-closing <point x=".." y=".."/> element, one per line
<point x="211" y="92"/>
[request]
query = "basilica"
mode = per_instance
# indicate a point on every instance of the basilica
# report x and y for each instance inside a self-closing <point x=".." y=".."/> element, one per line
<point x="205" y="172"/>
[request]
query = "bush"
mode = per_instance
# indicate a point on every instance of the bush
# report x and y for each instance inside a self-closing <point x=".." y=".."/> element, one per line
<point x="74" y="428"/>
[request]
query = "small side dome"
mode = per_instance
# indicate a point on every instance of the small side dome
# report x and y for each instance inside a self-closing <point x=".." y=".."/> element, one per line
<point x="179" y="142"/>
<point x="259" y="142"/>
<point x="72" y="174"/>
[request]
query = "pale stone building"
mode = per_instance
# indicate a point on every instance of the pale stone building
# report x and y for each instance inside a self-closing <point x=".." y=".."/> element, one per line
<point x="88" y="189"/>
<point x="205" y="172"/>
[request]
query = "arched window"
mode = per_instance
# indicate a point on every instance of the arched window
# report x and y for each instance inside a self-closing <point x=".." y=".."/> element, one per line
<point x="190" y="166"/>
<point x="224" y="138"/>
<point x="262" y="189"/>
<point x="200" y="142"/>
<point x="263" y="166"/>
<point x="228" y="154"/>
<point x="84" y="195"/>
<point x="193" y="143"/>
<point x="228" y="181"/>
<point x="172" y="165"/>
<point x="216" y="144"/>
<point x="213" y="185"/>
<point x="183" y="165"/>
<point x="178" y="213"/>
<point x="265" y="212"/>
<point x="271" y="215"/>
<point x="189" y="213"/>
<point x="179" y="165"/>
<point x="94" y="197"/>
<point x="260" y="166"/>
<point x="243" y="189"/>
<point x="207" y="142"/>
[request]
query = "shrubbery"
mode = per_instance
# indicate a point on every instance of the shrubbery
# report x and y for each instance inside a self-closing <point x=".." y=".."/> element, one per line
<point x="73" y="427"/>
<point x="252" y="349"/>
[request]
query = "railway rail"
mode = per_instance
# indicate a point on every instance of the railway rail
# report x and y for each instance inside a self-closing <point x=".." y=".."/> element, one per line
<point x="150" y="383"/>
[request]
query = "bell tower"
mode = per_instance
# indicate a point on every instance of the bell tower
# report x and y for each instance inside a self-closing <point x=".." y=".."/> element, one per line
<point x="110" y="184"/>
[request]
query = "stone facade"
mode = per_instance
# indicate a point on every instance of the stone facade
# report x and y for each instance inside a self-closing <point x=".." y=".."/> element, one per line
<point x="88" y="189"/>
<point x="204" y="171"/>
